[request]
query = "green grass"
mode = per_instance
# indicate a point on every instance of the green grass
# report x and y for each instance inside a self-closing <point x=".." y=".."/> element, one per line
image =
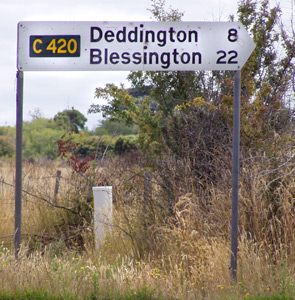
<point x="143" y="294"/>
<point x="32" y="295"/>
<point x="271" y="297"/>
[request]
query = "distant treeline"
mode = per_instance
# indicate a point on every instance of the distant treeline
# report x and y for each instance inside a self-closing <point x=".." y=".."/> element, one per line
<point x="41" y="136"/>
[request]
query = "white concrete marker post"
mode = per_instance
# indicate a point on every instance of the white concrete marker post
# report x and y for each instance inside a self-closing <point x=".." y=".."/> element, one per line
<point x="103" y="213"/>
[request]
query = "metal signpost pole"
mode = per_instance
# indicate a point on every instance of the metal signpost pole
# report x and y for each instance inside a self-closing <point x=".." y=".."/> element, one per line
<point x="235" y="176"/>
<point x="18" y="165"/>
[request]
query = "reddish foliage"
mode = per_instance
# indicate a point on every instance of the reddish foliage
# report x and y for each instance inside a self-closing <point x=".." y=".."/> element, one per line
<point x="66" y="149"/>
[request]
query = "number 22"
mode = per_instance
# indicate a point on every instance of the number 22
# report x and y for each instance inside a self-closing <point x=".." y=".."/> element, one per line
<point x="222" y="59"/>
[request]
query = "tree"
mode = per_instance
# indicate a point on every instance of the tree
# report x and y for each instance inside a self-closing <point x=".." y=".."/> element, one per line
<point x="183" y="98"/>
<point x="108" y="127"/>
<point x="190" y="130"/>
<point x="190" y="114"/>
<point x="6" y="147"/>
<point x="267" y="75"/>
<point x="36" y="114"/>
<point x="71" y="120"/>
<point x="40" y="139"/>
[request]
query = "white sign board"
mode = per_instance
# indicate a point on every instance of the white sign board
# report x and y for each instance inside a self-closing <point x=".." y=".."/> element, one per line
<point x="132" y="46"/>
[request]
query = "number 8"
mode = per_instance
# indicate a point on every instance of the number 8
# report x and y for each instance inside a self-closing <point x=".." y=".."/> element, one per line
<point x="232" y="35"/>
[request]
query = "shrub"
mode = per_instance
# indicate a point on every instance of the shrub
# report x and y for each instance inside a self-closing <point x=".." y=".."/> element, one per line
<point x="6" y="147"/>
<point x="125" y="144"/>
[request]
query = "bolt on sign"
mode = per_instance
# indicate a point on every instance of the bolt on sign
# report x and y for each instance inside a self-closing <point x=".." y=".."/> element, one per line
<point x="132" y="46"/>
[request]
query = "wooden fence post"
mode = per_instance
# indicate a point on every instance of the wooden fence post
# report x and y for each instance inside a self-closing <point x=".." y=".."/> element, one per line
<point x="58" y="174"/>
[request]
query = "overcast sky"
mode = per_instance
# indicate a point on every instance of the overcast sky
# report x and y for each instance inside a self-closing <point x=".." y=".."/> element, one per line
<point x="51" y="92"/>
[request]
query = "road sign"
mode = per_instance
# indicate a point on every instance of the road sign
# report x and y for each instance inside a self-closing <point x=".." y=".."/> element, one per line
<point x="132" y="46"/>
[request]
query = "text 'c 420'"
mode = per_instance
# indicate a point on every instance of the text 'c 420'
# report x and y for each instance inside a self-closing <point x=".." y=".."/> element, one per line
<point x="55" y="46"/>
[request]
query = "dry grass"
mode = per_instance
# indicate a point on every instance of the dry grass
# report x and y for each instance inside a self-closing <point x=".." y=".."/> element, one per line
<point x="38" y="186"/>
<point x="183" y="256"/>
